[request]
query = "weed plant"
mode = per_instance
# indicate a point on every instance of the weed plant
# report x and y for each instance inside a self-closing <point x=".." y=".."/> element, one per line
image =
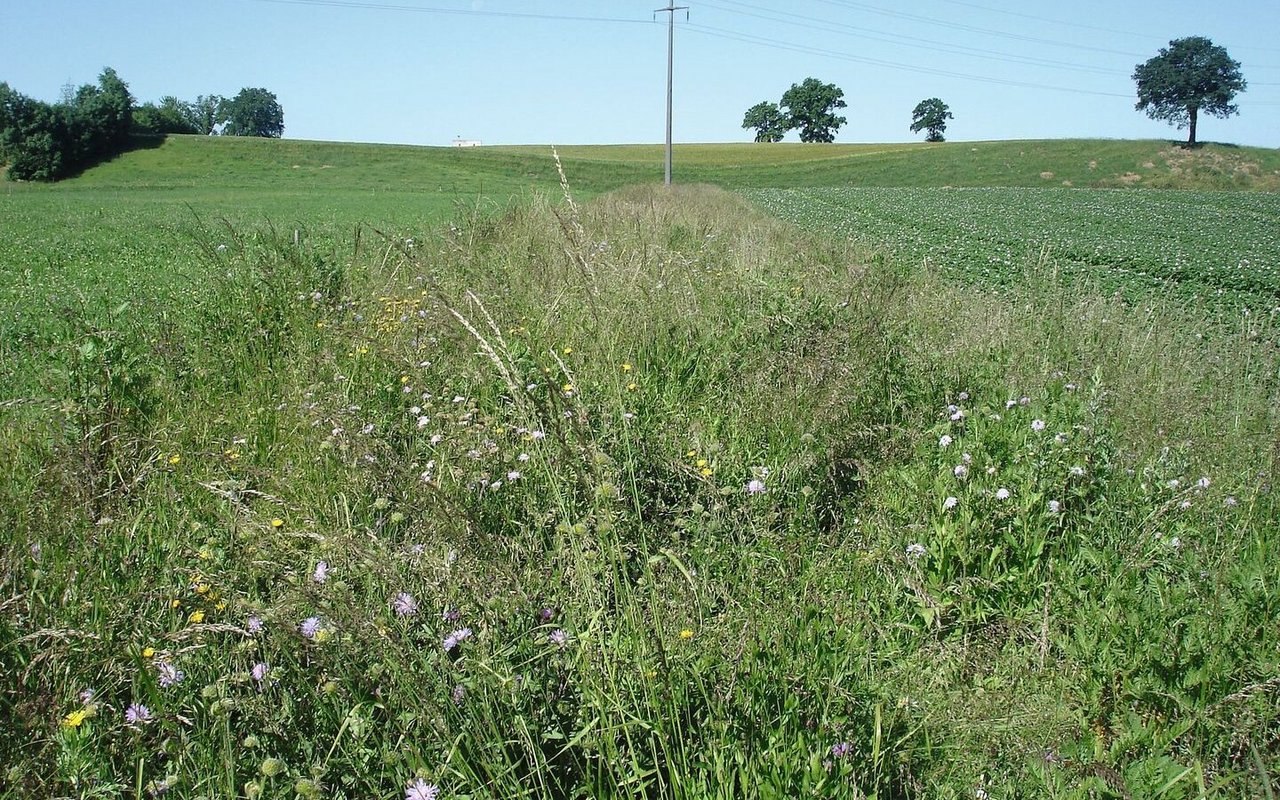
<point x="650" y="497"/>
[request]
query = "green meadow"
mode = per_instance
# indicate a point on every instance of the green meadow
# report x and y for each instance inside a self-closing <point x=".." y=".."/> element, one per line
<point x="842" y="471"/>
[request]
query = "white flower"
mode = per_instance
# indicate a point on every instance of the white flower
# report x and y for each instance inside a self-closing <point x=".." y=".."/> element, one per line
<point x="321" y="573"/>
<point x="513" y="475"/>
<point x="1203" y="483"/>
<point x="915" y="550"/>
<point x="961" y="471"/>
<point x="1002" y="493"/>
<point x="1055" y="507"/>
<point x="957" y="415"/>
<point x="964" y="396"/>
<point x="1037" y="424"/>
<point x="1060" y="438"/>
<point x="1230" y="502"/>
<point x="966" y="458"/>
<point x="950" y="503"/>
<point x="945" y="441"/>
<point x="755" y="486"/>
<point x="1010" y="403"/>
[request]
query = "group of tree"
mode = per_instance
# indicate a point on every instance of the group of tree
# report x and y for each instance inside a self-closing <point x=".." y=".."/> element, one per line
<point x="809" y="106"/>
<point x="47" y="141"/>
<point x="252" y="112"/>
<point x="1190" y="77"/>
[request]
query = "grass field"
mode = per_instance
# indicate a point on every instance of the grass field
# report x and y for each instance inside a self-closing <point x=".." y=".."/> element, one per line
<point x="351" y="471"/>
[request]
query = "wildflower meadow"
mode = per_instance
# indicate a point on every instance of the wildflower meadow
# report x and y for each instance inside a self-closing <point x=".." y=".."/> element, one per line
<point x="650" y="494"/>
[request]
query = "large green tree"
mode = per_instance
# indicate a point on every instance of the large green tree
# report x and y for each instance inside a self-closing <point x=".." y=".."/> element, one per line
<point x="931" y="115"/>
<point x="768" y="120"/>
<point x="811" y="107"/>
<point x="252" y="112"/>
<point x="1189" y="77"/>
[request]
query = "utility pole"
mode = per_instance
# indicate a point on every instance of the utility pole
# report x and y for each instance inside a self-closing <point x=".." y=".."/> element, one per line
<point x="671" y="46"/>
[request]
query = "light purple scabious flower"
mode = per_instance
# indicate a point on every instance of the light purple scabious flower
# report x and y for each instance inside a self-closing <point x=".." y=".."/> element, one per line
<point x="756" y="486"/>
<point x="456" y="638"/>
<point x="915" y="550"/>
<point x="458" y="694"/>
<point x="451" y="615"/>
<point x="421" y="790"/>
<point x="1055" y="507"/>
<point x="310" y="627"/>
<point x="321" y="573"/>
<point x="1002" y="493"/>
<point x="137" y="714"/>
<point x="945" y="441"/>
<point x="260" y="671"/>
<point x="169" y="675"/>
<point x="841" y="749"/>
<point x="546" y="614"/>
<point x="559" y="637"/>
<point x="254" y="624"/>
<point x="405" y="605"/>
<point x="1037" y="424"/>
<point x="961" y="471"/>
<point x="950" y="503"/>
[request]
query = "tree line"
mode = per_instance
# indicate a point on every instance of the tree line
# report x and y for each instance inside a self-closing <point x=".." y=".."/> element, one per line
<point x="48" y="141"/>
<point x="1190" y="77"/>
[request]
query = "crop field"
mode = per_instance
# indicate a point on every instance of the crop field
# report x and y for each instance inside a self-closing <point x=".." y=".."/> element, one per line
<point x="1206" y="245"/>
<point x="343" y="471"/>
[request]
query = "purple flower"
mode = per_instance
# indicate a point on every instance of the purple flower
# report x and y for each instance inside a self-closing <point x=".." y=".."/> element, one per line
<point x="458" y="694"/>
<point x="451" y="615"/>
<point x="1037" y="424"/>
<point x="915" y="550"/>
<point x="456" y="638"/>
<point x="559" y="637"/>
<point x="961" y="471"/>
<point x="421" y="790"/>
<point x="322" y="572"/>
<point x="169" y="674"/>
<point x="841" y="749"/>
<point x="310" y="627"/>
<point x="254" y="624"/>
<point x="756" y="486"/>
<point x="137" y="714"/>
<point x="260" y="671"/>
<point x="405" y="605"/>
<point x="546" y="614"/>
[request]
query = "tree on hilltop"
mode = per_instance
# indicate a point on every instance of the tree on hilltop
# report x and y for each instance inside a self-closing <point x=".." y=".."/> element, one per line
<point x="768" y="120"/>
<point x="1190" y="76"/>
<point x="811" y="107"/>
<point x="931" y="115"/>
<point x="252" y="112"/>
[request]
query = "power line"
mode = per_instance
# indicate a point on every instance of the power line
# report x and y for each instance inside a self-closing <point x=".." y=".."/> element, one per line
<point x="780" y="45"/>
<point x="373" y="6"/>
<point x="931" y="45"/>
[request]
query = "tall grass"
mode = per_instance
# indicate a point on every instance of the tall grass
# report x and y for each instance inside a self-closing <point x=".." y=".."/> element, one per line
<point x="650" y="496"/>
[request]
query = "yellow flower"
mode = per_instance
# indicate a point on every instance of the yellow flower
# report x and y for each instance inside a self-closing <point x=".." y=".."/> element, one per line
<point x="202" y="588"/>
<point x="702" y="462"/>
<point x="196" y="617"/>
<point x="626" y="367"/>
<point x="175" y="458"/>
<point x="148" y="652"/>
<point x="706" y="472"/>
<point x="404" y="378"/>
<point x="691" y="454"/>
<point x="568" y="387"/>
<point x="322" y="635"/>
<point x="76" y="718"/>
<point x="631" y="387"/>
<point x="221" y="606"/>
<point x="568" y="351"/>
<point x="174" y="603"/>
<point x="277" y="523"/>
<point x="686" y="634"/>
<point x="205" y="554"/>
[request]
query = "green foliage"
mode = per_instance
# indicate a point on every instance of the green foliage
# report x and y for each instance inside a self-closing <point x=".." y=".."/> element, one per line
<point x="811" y="106"/>
<point x="252" y="112"/>
<point x="45" y="142"/>
<point x="170" y="116"/>
<point x="931" y="115"/>
<point x="768" y="120"/>
<point x="1190" y="76"/>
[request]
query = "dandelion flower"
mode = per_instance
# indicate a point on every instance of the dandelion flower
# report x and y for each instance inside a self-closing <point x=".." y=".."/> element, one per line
<point x="76" y="718"/>
<point x="277" y="523"/>
<point x="196" y="617"/>
<point x="686" y="634"/>
<point x="626" y="367"/>
<point x="148" y="652"/>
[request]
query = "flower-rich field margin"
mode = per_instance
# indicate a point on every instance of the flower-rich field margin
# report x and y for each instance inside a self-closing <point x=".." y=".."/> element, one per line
<point x="654" y="496"/>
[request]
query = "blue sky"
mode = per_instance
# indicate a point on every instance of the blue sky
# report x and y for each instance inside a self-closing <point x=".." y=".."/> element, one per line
<point x="594" y="71"/>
